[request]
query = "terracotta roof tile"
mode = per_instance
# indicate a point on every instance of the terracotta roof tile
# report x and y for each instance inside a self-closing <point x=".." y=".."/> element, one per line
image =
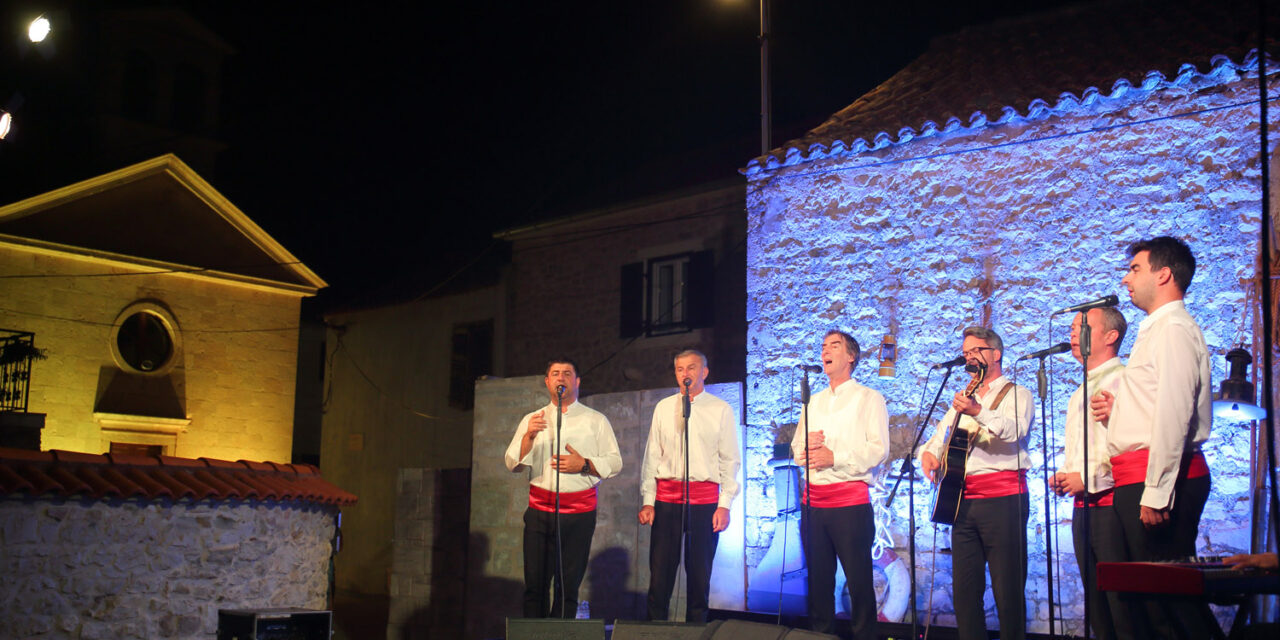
<point x="66" y="474"/>
<point x="1038" y="66"/>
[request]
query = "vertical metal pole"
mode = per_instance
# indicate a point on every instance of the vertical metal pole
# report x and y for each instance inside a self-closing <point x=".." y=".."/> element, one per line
<point x="765" y="124"/>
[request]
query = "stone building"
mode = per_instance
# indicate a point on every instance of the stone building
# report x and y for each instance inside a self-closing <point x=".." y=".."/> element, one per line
<point x="623" y="288"/>
<point x="169" y="320"/>
<point x="998" y="177"/>
<point x="399" y="389"/>
<point x="128" y="546"/>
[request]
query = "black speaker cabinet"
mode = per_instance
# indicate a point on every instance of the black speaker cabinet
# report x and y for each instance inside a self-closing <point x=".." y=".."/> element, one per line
<point x="554" y="629"/>
<point x="744" y="630"/>
<point x="274" y="624"/>
<point x="626" y="630"/>
<point x="802" y="634"/>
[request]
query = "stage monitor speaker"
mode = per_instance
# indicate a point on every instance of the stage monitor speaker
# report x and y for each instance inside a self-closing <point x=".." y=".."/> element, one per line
<point x="744" y="630"/>
<point x="629" y="630"/>
<point x="274" y="624"/>
<point x="554" y="629"/>
<point x="802" y="634"/>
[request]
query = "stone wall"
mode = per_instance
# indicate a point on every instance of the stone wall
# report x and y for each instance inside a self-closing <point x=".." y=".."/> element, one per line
<point x="998" y="227"/>
<point x="429" y="559"/>
<point x="150" y="570"/>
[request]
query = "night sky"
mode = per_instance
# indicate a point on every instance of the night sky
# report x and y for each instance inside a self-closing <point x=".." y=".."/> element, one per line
<point x="383" y="145"/>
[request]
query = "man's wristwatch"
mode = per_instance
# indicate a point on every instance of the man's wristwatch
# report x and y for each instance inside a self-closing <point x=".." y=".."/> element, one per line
<point x="586" y="466"/>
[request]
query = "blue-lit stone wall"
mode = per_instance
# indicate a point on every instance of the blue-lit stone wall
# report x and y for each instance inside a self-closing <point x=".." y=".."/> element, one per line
<point x="1000" y="225"/>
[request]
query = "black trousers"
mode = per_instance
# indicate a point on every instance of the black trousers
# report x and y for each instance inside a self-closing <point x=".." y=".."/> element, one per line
<point x="1163" y="617"/>
<point x="1108" y="616"/>
<point x="666" y="544"/>
<point x="576" y="530"/>
<point x="990" y="533"/>
<point x="846" y="533"/>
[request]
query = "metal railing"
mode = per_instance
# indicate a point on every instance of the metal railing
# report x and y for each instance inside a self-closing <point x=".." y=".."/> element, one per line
<point x="17" y="351"/>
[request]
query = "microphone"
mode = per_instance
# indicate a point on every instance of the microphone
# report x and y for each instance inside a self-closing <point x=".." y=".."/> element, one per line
<point x="954" y="362"/>
<point x="685" y="405"/>
<point x="804" y="389"/>
<point x="1104" y="301"/>
<point x="1061" y="347"/>
<point x="559" y="391"/>
<point x="811" y="368"/>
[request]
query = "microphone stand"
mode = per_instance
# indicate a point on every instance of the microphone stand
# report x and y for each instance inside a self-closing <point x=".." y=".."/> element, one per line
<point x="559" y="591"/>
<point x="685" y="529"/>
<point x="1086" y="349"/>
<point x="808" y="529"/>
<point x="907" y="468"/>
<point x="1042" y="387"/>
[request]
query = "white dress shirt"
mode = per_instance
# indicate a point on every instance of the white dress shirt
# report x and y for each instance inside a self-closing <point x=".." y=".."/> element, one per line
<point x="713" y="446"/>
<point x="1104" y="377"/>
<point x="586" y="429"/>
<point x="1164" y="402"/>
<point x="855" y="425"/>
<point x="1002" y="432"/>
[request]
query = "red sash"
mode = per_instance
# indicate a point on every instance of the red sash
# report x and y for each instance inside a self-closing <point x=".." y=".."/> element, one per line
<point x="1131" y="467"/>
<point x="575" y="502"/>
<point x="700" y="492"/>
<point x="1099" y="499"/>
<point x="837" y="494"/>
<point x="996" y="484"/>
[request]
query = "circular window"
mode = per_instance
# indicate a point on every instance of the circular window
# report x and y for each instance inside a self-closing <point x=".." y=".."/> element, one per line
<point x="144" y="339"/>
<point x="143" y="342"/>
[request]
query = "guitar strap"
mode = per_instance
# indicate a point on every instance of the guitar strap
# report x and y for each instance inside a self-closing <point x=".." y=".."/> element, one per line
<point x="1004" y="391"/>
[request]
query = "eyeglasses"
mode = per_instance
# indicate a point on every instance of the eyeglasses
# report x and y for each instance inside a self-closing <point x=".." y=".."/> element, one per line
<point x="974" y="352"/>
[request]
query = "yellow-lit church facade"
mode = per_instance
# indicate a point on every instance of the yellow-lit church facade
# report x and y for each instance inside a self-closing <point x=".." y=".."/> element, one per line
<point x="168" y="319"/>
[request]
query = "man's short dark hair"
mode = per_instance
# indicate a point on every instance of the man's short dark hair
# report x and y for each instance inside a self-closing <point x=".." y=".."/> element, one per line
<point x="850" y="346"/>
<point x="1113" y="320"/>
<point x="988" y="336"/>
<point x="554" y="361"/>
<point x="1167" y="251"/>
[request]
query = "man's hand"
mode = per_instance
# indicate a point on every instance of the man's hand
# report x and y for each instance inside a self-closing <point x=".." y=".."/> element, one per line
<point x="966" y="405"/>
<point x="817" y="439"/>
<point x="1152" y="518"/>
<point x="929" y="464"/>
<point x="646" y="514"/>
<point x="571" y="463"/>
<point x="1068" y="484"/>
<point x="1101" y="404"/>
<point x="1259" y="560"/>
<point x="720" y="520"/>
<point x="819" y="458"/>
<point x="537" y="424"/>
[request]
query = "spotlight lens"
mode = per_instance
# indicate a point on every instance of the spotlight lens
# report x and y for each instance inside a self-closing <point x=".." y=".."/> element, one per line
<point x="6" y="121"/>
<point x="39" y="29"/>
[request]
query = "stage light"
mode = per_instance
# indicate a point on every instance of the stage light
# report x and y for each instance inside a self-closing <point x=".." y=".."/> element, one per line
<point x="39" y="29"/>
<point x="6" y="121"/>
<point x="1235" y="398"/>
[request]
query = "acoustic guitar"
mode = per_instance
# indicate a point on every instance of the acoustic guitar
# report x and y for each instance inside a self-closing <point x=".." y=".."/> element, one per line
<point x="946" y="502"/>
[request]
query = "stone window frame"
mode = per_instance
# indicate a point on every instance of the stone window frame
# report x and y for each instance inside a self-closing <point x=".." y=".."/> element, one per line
<point x="131" y="429"/>
<point x="167" y="320"/>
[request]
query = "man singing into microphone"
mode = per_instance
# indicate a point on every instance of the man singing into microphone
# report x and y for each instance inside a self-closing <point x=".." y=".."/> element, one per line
<point x="713" y="458"/>
<point x="1105" y="543"/>
<point x="588" y="453"/>
<point x="848" y="430"/>
<point x="1156" y="421"/>
<point x="990" y="530"/>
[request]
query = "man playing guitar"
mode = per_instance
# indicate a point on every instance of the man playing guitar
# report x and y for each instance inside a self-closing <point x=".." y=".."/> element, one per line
<point x="990" y="523"/>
